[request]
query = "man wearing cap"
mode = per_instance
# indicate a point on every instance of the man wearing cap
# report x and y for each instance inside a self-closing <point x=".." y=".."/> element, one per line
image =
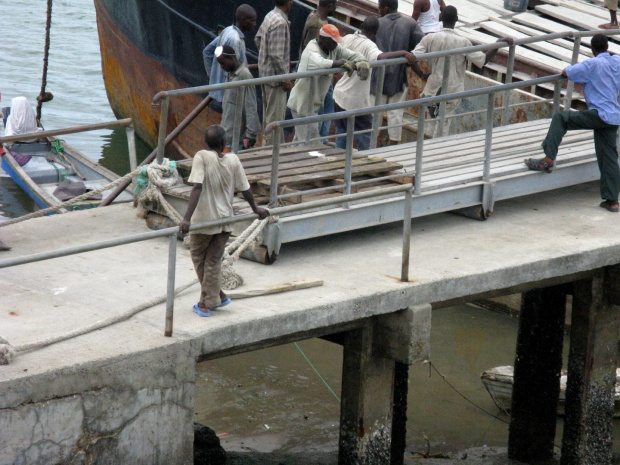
<point x="396" y="32"/>
<point x="250" y="123"/>
<point x="314" y="22"/>
<point x="245" y="21"/>
<point x="308" y="94"/>
<point x="351" y="92"/>
<point x="273" y="41"/>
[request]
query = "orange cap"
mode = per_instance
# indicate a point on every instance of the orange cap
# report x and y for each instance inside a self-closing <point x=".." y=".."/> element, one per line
<point x="331" y="31"/>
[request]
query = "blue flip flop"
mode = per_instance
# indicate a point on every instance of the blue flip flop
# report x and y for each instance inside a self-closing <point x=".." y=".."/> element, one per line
<point x="223" y="304"/>
<point x="200" y="312"/>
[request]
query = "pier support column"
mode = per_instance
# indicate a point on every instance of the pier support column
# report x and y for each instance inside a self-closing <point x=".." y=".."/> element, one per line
<point x="538" y="364"/>
<point x="370" y="356"/>
<point x="592" y="371"/>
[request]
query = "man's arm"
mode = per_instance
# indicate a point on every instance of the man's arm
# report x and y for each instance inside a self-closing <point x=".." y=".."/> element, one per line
<point x="191" y="206"/>
<point x="490" y="54"/>
<point x="252" y="122"/>
<point x="249" y="198"/>
<point x="420" y="6"/>
<point x="397" y="54"/>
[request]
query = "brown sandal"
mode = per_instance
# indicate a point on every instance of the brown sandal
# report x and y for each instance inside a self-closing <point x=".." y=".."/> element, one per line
<point x="539" y="164"/>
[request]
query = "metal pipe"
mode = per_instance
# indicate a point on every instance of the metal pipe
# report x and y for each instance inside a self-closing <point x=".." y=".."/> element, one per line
<point x="509" y="71"/>
<point x="488" y="138"/>
<point x="570" y="85"/>
<point x="557" y="95"/>
<point x="172" y="262"/>
<point x="275" y="166"/>
<point x="376" y="121"/>
<point x="61" y="132"/>
<point x="348" y="167"/>
<point x="419" y="150"/>
<point x="444" y="85"/>
<point x="37" y="257"/>
<point x="131" y="146"/>
<point x="404" y="272"/>
<point x="163" y="128"/>
<point x="239" y="101"/>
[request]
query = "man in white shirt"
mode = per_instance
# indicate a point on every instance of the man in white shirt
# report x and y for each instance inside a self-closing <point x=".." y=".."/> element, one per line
<point x="426" y="13"/>
<point x="351" y="93"/>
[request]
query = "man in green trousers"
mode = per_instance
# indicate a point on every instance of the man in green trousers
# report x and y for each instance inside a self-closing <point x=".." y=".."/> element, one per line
<point x="600" y="77"/>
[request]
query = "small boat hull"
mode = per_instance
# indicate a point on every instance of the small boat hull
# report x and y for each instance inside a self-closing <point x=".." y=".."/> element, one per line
<point x="498" y="382"/>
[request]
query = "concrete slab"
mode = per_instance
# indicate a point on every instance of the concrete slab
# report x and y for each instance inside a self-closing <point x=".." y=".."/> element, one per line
<point x="529" y="239"/>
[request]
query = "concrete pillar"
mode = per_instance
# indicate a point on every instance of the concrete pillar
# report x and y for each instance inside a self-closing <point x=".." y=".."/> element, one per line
<point x="538" y="364"/>
<point x="399" y="416"/>
<point x="366" y="409"/>
<point x="374" y="385"/>
<point x="591" y="372"/>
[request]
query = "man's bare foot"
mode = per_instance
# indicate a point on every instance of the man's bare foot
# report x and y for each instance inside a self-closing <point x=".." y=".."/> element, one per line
<point x="609" y="26"/>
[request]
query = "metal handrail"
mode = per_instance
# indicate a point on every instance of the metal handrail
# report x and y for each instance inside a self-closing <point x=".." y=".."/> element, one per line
<point x="172" y="233"/>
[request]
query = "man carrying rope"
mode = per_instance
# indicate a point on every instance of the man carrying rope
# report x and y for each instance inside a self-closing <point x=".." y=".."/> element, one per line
<point x="215" y="177"/>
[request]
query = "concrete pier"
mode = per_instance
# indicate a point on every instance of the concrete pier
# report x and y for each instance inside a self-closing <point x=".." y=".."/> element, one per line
<point x="125" y="393"/>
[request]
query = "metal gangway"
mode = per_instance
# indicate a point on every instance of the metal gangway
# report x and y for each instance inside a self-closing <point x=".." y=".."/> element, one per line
<point x="454" y="172"/>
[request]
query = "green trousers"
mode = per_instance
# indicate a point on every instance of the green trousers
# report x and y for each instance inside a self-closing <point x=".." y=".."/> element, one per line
<point x="604" y="145"/>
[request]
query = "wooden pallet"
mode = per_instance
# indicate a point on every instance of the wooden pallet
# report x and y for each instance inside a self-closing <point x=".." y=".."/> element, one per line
<point x="303" y="169"/>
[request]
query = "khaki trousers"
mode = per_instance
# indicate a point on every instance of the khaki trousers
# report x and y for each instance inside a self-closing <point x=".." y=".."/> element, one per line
<point x="206" y="251"/>
<point x="274" y="109"/>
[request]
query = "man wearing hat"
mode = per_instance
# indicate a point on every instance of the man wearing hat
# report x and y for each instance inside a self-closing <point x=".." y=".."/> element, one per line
<point x="308" y="94"/>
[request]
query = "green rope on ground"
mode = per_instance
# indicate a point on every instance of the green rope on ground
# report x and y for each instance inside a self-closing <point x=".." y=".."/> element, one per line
<point x="317" y="372"/>
<point x="57" y="148"/>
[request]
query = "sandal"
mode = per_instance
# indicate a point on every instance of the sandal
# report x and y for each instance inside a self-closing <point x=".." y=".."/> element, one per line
<point x="539" y="164"/>
<point x="610" y="206"/>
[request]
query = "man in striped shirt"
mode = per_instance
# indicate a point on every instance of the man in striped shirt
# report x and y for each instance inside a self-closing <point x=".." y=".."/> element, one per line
<point x="273" y="41"/>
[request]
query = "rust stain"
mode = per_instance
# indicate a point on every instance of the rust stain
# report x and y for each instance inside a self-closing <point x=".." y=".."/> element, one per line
<point x="13" y="313"/>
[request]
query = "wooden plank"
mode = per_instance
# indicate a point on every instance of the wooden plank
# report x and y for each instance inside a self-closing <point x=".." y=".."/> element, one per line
<point x="356" y="171"/>
<point x="569" y="15"/>
<point x="564" y="43"/>
<point x="545" y="47"/>
<point x="275" y="288"/>
<point x="547" y="62"/>
<point x="306" y="162"/>
<point x="585" y="8"/>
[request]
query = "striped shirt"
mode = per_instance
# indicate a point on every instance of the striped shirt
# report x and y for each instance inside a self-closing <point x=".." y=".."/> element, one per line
<point x="232" y="36"/>
<point x="273" y="41"/>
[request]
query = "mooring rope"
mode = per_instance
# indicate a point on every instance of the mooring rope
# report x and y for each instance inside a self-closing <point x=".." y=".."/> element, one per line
<point x="43" y="95"/>
<point x="317" y="372"/>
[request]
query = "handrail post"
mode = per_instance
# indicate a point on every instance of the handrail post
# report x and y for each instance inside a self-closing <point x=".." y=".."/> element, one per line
<point x="488" y="138"/>
<point x="238" y="117"/>
<point x="377" y="117"/>
<point x="444" y="84"/>
<point x="557" y="94"/>
<point x="131" y="147"/>
<point x="404" y="272"/>
<point x="509" y="71"/>
<point x="419" y="149"/>
<point x="275" y="165"/>
<point x="570" y="85"/>
<point x="172" y="261"/>
<point x="348" y="168"/>
<point x="163" y="127"/>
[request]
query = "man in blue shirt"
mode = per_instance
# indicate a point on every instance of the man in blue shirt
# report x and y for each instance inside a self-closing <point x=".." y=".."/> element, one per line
<point x="600" y="77"/>
<point x="245" y="21"/>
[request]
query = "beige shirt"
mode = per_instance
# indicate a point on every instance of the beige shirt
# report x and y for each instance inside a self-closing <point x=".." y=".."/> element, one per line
<point x="350" y="92"/>
<point x="220" y="179"/>
<point x="447" y="39"/>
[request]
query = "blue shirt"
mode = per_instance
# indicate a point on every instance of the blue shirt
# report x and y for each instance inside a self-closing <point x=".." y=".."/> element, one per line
<point x="232" y="36"/>
<point x="600" y="77"/>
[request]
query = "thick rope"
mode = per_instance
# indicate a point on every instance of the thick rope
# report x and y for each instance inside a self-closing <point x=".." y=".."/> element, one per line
<point x="72" y="201"/>
<point x="45" y="96"/>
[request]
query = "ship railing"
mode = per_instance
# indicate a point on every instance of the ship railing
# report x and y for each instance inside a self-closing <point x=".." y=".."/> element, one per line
<point x="127" y="123"/>
<point x="172" y="235"/>
<point x="380" y="65"/>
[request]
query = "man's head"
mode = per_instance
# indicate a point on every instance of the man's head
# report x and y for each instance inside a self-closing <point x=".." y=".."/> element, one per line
<point x="599" y="44"/>
<point x="284" y="5"/>
<point x="387" y="6"/>
<point x="245" y="18"/>
<point x="328" y="6"/>
<point x="215" y="137"/>
<point x="226" y="57"/>
<point x="449" y="17"/>
<point x="370" y="26"/>
<point x="329" y="37"/>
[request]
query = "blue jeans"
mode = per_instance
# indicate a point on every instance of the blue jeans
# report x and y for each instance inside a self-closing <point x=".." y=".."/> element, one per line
<point x="326" y="108"/>
<point x="361" y="123"/>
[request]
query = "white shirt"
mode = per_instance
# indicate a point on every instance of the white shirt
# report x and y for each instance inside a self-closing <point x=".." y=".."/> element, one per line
<point x="350" y="92"/>
<point x="429" y="20"/>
